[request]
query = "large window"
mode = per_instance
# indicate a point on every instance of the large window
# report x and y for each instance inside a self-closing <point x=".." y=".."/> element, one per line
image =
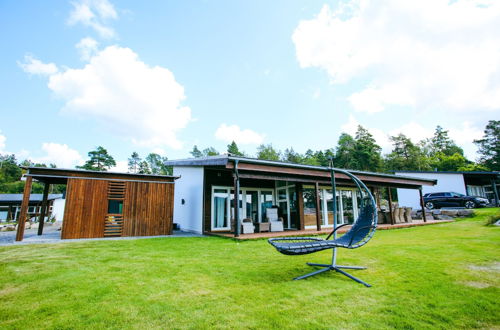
<point x="253" y="203"/>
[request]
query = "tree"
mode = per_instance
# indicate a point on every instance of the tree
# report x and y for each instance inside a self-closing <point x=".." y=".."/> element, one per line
<point x="156" y="164"/>
<point x="441" y="142"/>
<point x="133" y="162"/>
<point x="196" y="153"/>
<point x="99" y="160"/>
<point x="367" y="151"/>
<point x="268" y="152"/>
<point x="489" y="146"/>
<point x="232" y="149"/>
<point x="406" y="155"/>
<point x="292" y="157"/>
<point x="210" y="151"/>
<point x="143" y="168"/>
<point x="345" y="152"/>
<point x="310" y="158"/>
<point x="442" y="162"/>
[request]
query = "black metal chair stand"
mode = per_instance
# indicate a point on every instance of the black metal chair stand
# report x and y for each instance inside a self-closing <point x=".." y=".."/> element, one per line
<point x="359" y="234"/>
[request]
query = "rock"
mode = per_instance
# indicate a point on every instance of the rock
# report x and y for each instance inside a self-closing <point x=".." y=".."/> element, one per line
<point x="450" y="212"/>
<point x="465" y="213"/>
<point x="443" y="217"/>
<point x="34" y="226"/>
<point x="497" y="223"/>
<point x="435" y="212"/>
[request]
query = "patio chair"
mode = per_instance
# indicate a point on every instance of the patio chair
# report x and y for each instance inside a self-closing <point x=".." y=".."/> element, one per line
<point x="275" y="222"/>
<point x="359" y="234"/>
<point x="247" y="226"/>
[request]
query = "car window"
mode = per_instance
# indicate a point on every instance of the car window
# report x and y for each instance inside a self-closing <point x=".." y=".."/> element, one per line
<point x="447" y="194"/>
<point x="457" y="194"/>
<point x="437" y="195"/>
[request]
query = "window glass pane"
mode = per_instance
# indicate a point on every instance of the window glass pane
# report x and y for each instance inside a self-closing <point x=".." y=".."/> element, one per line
<point x="115" y="207"/>
<point x="281" y="194"/>
<point x="221" y="198"/>
<point x="266" y="201"/>
<point x="309" y="200"/>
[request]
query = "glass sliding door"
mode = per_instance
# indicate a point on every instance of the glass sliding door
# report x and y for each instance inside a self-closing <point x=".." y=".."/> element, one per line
<point x="220" y="209"/>
<point x="252" y="205"/>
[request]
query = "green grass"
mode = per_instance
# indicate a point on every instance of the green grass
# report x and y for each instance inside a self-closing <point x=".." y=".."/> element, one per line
<point x="441" y="276"/>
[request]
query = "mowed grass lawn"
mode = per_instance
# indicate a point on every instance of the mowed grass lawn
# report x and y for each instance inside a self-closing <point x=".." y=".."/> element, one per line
<point x="440" y="276"/>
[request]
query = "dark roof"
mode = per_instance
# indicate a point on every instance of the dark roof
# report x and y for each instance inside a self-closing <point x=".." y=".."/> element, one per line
<point x="471" y="173"/>
<point x="223" y="160"/>
<point x="33" y="197"/>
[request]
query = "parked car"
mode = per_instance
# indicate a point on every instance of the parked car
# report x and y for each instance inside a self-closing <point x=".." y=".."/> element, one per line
<point x="452" y="199"/>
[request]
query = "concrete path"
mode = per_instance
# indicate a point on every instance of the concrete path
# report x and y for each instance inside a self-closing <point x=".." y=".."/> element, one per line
<point x="52" y="235"/>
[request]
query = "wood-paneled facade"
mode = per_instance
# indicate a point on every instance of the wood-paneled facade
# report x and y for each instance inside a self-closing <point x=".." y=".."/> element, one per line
<point x="104" y="204"/>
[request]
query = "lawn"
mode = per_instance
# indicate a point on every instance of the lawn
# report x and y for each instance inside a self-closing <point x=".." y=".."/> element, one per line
<point x="439" y="276"/>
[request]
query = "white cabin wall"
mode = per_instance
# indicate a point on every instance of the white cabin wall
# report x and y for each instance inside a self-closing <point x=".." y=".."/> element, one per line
<point x="189" y="187"/>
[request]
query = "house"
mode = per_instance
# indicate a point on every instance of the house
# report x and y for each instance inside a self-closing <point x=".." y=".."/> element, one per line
<point x="484" y="184"/>
<point x="104" y="204"/>
<point x="204" y="200"/>
<point x="10" y="205"/>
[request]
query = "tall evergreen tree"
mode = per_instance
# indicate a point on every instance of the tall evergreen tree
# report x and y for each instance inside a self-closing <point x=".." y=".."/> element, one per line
<point x="344" y="157"/>
<point x="196" y="153"/>
<point x="156" y="164"/>
<point x="232" y="149"/>
<point x="268" y="152"/>
<point x="100" y="160"/>
<point x="367" y="151"/>
<point x="406" y="155"/>
<point x="291" y="156"/>
<point x="489" y="146"/>
<point x="133" y="162"/>
<point x="210" y="151"/>
<point x="441" y="142"/>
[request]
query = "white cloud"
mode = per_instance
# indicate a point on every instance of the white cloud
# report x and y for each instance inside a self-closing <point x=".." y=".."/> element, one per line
<point x="229" y="133"/>
<point x="59" y="154"/>
<point x="94" y="14"/>
<point x="87" y="48"/>
<point x="34" y="66"/>
<point x="121" y="166"/>
<point x="414" y="131"/>
<point x="2" y="142"/>
<point x="428" y="54"/>
<point x="128" y="97"/>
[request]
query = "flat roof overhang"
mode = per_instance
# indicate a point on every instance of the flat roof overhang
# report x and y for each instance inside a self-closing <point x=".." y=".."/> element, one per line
<point x="61" y="176"/>
<point x="272" y="170"/>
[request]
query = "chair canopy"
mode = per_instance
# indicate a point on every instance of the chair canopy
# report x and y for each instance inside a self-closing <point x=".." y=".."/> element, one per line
<point x="359" y="234"/>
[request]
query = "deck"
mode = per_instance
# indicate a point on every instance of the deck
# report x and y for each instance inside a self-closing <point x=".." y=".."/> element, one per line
<point x="313" y="232"/>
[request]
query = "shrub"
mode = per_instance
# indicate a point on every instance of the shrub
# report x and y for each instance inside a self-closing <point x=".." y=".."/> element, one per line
<point x="493" y="218"/>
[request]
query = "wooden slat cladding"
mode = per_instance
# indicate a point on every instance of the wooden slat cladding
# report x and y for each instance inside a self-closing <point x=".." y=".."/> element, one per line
<point x="116" y="190"/>
<point x="113" y="226"/>
<point x="86" y="208"/>
<point x="148" y="209"/>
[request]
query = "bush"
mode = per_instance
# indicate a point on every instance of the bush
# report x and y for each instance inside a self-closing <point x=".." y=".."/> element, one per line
<point x="493" y="218"/>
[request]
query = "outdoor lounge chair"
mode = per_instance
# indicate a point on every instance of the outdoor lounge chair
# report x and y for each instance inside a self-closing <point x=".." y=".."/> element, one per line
<point x="358" y="235"/>
<point x="275" y="222"/>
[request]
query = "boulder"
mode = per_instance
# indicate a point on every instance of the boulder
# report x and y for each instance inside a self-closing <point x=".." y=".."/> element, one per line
<point x="34" y="226"/>
<point x="450" y="212"/>
<point x="443" y="217"/>
<point x="465" y="213"/>
<point x="436" y="212"/>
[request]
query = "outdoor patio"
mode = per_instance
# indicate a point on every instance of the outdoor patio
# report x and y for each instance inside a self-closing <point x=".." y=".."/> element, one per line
<point x="312" y="232"/>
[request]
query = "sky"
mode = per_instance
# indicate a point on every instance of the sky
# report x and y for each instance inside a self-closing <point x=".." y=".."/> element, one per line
<point x="162" y="76"/>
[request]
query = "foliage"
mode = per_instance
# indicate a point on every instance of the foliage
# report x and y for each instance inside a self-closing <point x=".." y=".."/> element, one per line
<point x="493" y="218"/>
<point x="442" y="143"/>
<point x="156" y="164"/>
<point x="232" y="149"/>
<point x="210" y="282"/>
<point x="99" y="160"/>
<point x="291" y="156"/>
<point x="133" y="163"/>
<point x="210" y="151"/>
<point x="196" y="153"/>
<point x="406" y="155"/>
<point x="267" y="152"/>
<point x="489" y="146"/>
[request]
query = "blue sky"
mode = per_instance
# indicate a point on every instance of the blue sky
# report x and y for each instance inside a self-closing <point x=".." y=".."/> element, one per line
<point x="162" y="76"/>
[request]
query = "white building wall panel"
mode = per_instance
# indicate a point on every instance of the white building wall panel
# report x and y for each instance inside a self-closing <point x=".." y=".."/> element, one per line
<point x="189" y="188"/>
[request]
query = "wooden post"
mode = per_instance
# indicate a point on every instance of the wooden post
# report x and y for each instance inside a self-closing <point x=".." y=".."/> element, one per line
<point x="318" y="207"/>
<point x="24" y="209"/>
<point x="391" y="215"/>
<point x="9" y="213"/>
<point x="494" y="186"/>
<point x="237" y="223"/>
<point x="300" y="205"/>
<point x="422" y="204"/>
<point x="43" y="211"/>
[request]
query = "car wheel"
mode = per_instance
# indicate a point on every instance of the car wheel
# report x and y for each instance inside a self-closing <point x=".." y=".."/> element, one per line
<point x="470" y="205"/>
<point x="429" y="205"/>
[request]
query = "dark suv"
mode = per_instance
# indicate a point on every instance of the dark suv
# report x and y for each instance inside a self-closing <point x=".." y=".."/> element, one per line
<point x="452" y="199"/>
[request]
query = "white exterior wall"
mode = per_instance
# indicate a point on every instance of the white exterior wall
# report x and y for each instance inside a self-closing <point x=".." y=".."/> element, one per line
<point x="445" y="182"/>
<point x="58" y="208"/>
<point x="190" y="188"/>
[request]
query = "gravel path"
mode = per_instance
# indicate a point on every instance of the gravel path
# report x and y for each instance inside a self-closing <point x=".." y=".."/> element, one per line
<point x="52" y="235"/>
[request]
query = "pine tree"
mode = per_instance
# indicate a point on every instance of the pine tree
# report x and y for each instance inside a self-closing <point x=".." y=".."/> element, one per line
<point x="268" y="152"/>
<point x="232" y="149"/>
<point x="196" y="153"/>
<point x="133" y="163"/>
<point x="99" y="160"/>
<point x="489" y="146"/>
